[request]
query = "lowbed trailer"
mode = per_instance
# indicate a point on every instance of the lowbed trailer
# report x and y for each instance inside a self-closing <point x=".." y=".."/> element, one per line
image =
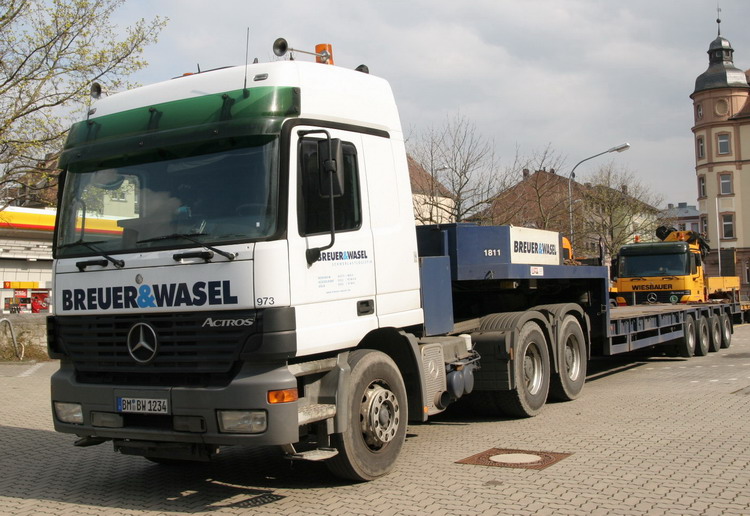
<point x="260" y="280"/>
<point x="687" y="329"/>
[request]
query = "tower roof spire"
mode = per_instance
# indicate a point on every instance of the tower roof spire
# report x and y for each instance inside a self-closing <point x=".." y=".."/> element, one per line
<point x="721" y="72"/>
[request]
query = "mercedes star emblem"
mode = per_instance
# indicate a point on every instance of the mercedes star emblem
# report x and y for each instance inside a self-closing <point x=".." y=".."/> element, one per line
<point x="142" y="343"/>
<point x="651" y="298"/>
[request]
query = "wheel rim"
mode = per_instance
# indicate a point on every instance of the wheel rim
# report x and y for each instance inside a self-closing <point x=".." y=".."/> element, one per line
<point x="727" y="330"/>
<point x="532" y="369"/>
<point x="380" y="415"/>
<point x="572" y="358"/>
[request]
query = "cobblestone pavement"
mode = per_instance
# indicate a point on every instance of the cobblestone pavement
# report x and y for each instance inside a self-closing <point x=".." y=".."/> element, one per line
<point x="650" y="435"/>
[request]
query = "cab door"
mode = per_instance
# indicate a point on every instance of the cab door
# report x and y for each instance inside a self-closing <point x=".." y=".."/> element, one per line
<point x="333" y="295"/>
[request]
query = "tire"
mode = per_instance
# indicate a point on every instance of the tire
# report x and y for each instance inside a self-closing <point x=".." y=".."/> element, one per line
<point x="714" y="330"/>
<point x="702" y="337"/>
<point x="686" y="344"/>
<point x="726" y="330"/>
<point x="568" y="382"/>
<point x="378" y="414"/>
<point x="531" y="372"/>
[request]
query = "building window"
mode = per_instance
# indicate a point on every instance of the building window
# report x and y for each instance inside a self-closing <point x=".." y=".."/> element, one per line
<point x="701" y="186"/>
<point x="681" y="226"/>
<point x="698" y="111"/>
<point x="724" y="144"/>
<point x="725" y="184"/>
<point x="704" y="225"/>
<point x="694" y="226"/>
<point x="119" y="196"/>
<point x="727" y="225"/>
<point x="700" y="148"/>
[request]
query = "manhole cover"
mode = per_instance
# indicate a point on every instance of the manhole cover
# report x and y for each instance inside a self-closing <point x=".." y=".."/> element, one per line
<point x="514" y="458"/>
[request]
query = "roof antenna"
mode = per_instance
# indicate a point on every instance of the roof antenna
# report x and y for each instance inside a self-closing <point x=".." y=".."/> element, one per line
<point x="718" y="17"/>
<point x="245" y="92"/>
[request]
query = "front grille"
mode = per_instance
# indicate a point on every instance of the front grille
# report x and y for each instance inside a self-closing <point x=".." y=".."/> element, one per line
<point x="190" y="353"/>
<point x="662" y="296"/>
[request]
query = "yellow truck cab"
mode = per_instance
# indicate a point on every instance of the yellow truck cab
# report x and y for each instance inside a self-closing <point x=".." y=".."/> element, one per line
<point x="670" y="271"/>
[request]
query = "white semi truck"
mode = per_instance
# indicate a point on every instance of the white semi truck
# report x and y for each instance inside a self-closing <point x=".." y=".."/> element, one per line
<point x="236" y="263"/>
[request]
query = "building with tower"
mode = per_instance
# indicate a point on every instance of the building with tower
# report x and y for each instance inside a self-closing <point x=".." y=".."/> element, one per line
<point x="721" y="109"/>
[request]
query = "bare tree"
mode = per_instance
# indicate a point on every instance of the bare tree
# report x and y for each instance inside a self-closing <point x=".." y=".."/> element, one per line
<point x="539" y="199"/>
<point x="50" y="53"/>
<point x="616" y="208"/>
<point x="461" y="168"/>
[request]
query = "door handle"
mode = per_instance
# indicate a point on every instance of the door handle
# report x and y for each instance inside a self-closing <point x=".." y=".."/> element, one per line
<point x="366" y="307"/>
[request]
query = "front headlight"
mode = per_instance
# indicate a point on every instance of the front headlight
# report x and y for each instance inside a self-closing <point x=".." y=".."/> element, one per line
<point x="69" y="412"/>
<point x="242" y="421"/>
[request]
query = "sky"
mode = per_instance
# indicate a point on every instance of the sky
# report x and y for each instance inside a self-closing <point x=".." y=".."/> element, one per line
<point x="579" y="76"/>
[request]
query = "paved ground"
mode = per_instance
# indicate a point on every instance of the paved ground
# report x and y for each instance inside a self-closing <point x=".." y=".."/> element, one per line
<point x="649" y="436"/>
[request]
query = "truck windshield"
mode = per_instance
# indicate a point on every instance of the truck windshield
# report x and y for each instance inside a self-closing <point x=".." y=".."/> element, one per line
<point x="215" y="197"/>
<point x="633" y="266"/>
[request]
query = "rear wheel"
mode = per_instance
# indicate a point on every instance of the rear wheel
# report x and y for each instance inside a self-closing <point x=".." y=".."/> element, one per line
<point x="714" y="330"/>
<point x="568" y="382"/>
<point x="686" y="344"/>
<point x="531" y="372"/>
<point x="702" y="337"/>
<point x="368" y="449"/>
<point x="726" y="330"/>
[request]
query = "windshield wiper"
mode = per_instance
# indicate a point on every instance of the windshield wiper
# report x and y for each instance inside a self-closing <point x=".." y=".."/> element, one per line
<point x="189" y="237"/>
<point x="119" y="264"/>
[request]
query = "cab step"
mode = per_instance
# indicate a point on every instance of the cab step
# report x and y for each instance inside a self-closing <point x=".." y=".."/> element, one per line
<point x="316" y="454"/>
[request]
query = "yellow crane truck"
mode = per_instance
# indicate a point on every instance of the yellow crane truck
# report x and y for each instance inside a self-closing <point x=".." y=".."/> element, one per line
<point x="673" y="271"/>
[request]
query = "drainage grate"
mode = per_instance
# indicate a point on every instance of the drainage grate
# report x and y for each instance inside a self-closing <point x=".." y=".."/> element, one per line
<point x="506" y="458"/>
<point x="257" y="501"/>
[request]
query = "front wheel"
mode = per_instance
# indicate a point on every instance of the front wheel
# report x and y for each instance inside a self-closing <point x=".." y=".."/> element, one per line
<point x="369" y="447"/>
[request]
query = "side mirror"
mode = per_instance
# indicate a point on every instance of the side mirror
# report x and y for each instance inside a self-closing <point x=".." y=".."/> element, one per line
<point x="331" y="163"/>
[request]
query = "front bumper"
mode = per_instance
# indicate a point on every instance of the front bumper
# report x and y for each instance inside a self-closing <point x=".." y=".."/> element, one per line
<point x="192" y="416"/>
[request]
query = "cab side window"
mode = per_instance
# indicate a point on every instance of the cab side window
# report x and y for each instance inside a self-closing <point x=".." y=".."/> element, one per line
<point x="314" y="203"/>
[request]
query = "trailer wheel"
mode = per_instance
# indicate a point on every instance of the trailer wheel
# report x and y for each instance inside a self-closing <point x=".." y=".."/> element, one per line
<point x="714" y="327"/>
<point x="568" y="382"/>
<point x="726" y="330"/>
<point x="702" y="337"/>
<point x="686" y="344"/>
<point x="531" y="371"/>
<point x="368" y="449"/>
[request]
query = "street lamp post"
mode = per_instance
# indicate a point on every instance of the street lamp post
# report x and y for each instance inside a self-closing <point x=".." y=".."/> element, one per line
<point x="617" y="148"/>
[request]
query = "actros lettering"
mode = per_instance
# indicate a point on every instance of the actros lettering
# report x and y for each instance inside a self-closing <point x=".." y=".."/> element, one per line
<point x="200" y="293"/>
<point x="226" y="323"/>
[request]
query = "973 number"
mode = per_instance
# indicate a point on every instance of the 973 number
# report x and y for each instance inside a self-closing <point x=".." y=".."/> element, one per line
<point x="264" y="301"/>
